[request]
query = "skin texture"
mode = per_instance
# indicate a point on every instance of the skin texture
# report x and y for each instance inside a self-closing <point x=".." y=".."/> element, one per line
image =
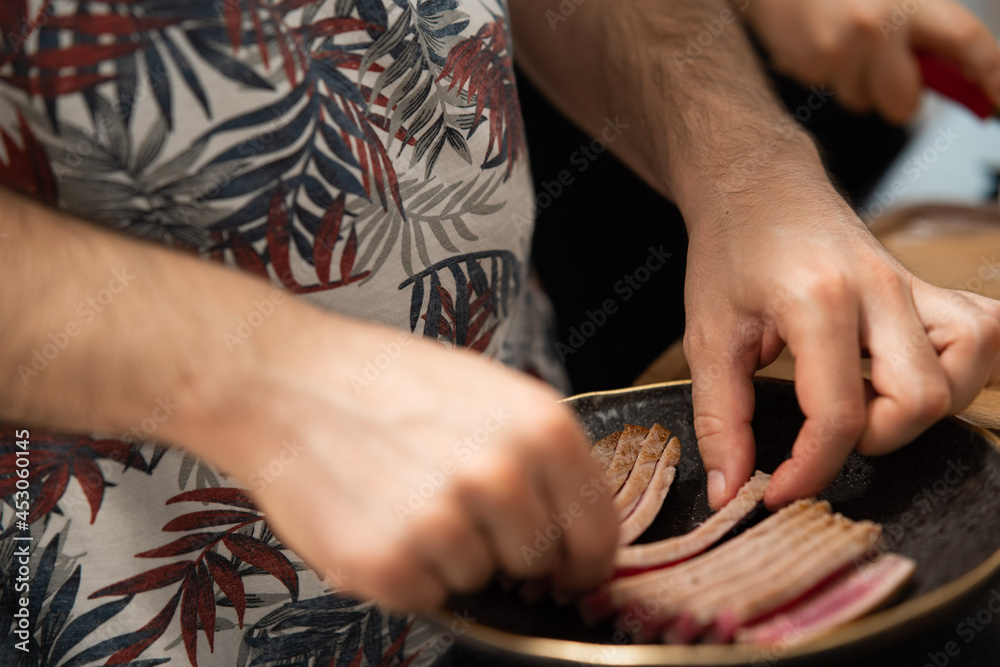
<point x="863" y="49"/>
<point x="341" y="502"/>
<point x="755" y="197"/>
<point x="776" y="256"/>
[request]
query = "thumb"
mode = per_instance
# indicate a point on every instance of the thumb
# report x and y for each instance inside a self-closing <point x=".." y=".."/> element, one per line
<point x="723" y="398"/>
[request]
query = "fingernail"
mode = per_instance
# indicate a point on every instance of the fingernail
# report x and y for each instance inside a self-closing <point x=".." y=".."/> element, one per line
<point x="716" y="488"/>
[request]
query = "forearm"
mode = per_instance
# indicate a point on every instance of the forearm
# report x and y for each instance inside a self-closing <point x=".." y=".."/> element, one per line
<point x="703" y="124"/>
<point x="98" y="327"/>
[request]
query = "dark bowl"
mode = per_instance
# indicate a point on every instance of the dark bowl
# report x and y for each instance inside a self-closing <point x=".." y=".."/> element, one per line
<point x="938" y="500"/>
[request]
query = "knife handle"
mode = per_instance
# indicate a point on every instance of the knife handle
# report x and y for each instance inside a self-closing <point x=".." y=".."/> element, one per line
<point x="950" y="81"/>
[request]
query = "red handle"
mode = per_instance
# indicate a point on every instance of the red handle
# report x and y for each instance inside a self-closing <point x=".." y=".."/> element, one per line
<point x="950" y="81"/>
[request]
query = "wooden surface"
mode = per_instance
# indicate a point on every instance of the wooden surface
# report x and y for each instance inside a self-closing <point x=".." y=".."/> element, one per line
<point x="946" y="246"/>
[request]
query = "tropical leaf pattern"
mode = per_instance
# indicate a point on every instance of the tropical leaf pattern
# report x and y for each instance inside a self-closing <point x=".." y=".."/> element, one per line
<point x="366" y="153"/>
<point x="214" y="569"/>
<point x="482" y="286"/>
<point x="362" y="121"/>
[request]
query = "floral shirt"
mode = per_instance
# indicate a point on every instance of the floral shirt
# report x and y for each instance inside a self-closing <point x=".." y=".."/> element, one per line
<point x="367" y="155"/>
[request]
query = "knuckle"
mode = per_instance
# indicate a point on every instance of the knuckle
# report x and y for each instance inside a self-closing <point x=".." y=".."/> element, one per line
<point x="705" y="347"/>
<point x="929" y="400"/>
<point x="472" y="577"/>
<point x="381" y="571"/>
<point x="440" y="524"/>
<point x="495" y="482"/>
<point x="707" y="427"/>
<point x="988" y="331"/>
<point x="848" y="419"/>
<point x="694" y="345"/>
<point x="827" y="49"/>
<point x="863" y="21"/>
<point x="888" y="282"/>
<point x="852" y="418"/>
<point x="519" y="567"/>
<point x="555" y="433"/>
<point x="968" y="32"/>
<point x="829" y="289"/>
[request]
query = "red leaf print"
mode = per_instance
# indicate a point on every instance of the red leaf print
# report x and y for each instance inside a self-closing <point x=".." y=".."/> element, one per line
<point x="84" y="55"/>
<point x="108" y="24"/>
<point x="331" y="27"/>
<point x="246" y="257"/>
<point x="149" y="633"/>
<point x="13" y="16"/>
<point x="52" y="490"/>
<point x="257" y="553"/>
<point x="189" y="619"/>
<point x="350" y="251"/>
<point x="225" y="575"/>
<point x="258" y="33"/>
<point x="8" y="486"/>
<point x="481" y="301"/>
<point x="291" y="5"/>
<point x="206" y="605"/>
<point x="41" y="459"/>
<point x="444" y="329"/>
<point x="483" y="62"/>
<point x="446" y="303"/>
<point x="183" y="545"/>
<point x="56" y="86"/>
<point x="478" y="323"/>
<point x="342" y="60"/>
<point x="456" y="63"/>
<point x="358" y="657"/>
<point x="277" y="239"/>
<point x="27" y="168"/>
<point x="326" y="238"/>
<point x="44" y="181"/>
<point x="119" y="452"/>
<point x="409" y="661"/>
<point x="286" y="58"/>
<point x="390" y="172"/>
<point x="221" y="494"/>
<point x="208" y="518"/>
<point x="484" y="341"/>
<point x="377" y="165"/>
<point x="363" y="161"/>
<point x="234" y="22"/>
<point x="147" y="581"/>
<point x="91" y="480"/>
<point x="397" y="645"/>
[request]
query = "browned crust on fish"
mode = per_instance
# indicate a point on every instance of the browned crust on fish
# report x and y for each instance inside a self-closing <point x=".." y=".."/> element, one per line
<point x="650" y="453"/>
<point x="603" y="450"/>
<point x="625" y="455"/>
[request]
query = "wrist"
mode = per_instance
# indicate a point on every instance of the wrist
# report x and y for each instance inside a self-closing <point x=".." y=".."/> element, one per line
<point x="217" y="378"/>
<point x="775" y="168"/>
<point x="270" y="364"/>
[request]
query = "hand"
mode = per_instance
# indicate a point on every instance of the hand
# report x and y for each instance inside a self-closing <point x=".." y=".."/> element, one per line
<point x="402" y="470"/>
<point x="417" y="481"/>
<point x="864" y="49"/>
<point x="793" y="265"/>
